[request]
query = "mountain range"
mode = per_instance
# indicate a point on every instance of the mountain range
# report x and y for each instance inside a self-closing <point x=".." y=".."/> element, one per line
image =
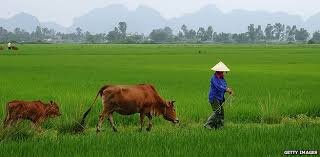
<point x="144" y="19"/>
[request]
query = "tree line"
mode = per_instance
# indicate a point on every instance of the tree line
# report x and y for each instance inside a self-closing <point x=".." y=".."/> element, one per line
<point x="272" y="33"/>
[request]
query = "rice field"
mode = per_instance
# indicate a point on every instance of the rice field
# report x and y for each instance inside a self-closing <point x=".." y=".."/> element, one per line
<point x="275" y="106"/>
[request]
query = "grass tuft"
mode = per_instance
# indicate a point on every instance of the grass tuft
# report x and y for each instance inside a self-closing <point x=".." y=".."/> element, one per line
<point x="17" y="133"/>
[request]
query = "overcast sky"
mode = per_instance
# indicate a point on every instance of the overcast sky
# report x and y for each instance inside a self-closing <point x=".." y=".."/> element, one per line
<point x="63" y="11"/>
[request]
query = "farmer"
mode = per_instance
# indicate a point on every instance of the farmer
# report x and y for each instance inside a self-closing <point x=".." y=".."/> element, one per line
<point x="218" y="87"/>
<point x="9" y="46"/>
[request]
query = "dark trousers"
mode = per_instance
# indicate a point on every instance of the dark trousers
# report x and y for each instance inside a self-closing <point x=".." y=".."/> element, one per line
<point x="217" y="117"/>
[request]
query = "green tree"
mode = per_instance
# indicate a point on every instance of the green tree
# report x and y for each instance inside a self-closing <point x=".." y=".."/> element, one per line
<point x="134" y="38"/>
<point x="209" y="33"/>
<point x="161" y="35"/>
<point x="269" y="32"/>
<point x="201" y="34"/>
<point x="88" y="37"/>
<point x="79" y="34"/>
<point x="38" y="33"/>
<point x="185" y="31"/>
<point x="316" y="36"/>
<point x="241" y="38"/>
<point x="302" y="35"/>
<point x="180" y="36"/>
<point x="79" y="31"/>
<point x="3" y="34"/>
<point x="45" y="32"/>
<point x="278" y="31"/>
<point x="192" y="34"/>
<point x="291" y="37"/>
<point x="122" y="26"/>
<point x="19" y="35"/>
<point x="224" y="37"/>
<point x="52" y="33"/>
<point x="114" y="36"/>
<point x="169" y="31"/>
<point x="252" y="33"/>
<point x="259" y="33"/>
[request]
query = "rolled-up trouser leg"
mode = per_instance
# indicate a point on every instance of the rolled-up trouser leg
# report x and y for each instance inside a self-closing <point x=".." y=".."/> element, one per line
<point x="216" y="118"/>
<point x="220" y="116"/>
<point x="211" y="120"/>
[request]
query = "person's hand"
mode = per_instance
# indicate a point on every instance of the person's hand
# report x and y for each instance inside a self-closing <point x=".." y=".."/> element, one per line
<point x="230" y="91"/>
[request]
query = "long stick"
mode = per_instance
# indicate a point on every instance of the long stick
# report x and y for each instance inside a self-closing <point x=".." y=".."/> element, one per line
<point x="228" y="98"/>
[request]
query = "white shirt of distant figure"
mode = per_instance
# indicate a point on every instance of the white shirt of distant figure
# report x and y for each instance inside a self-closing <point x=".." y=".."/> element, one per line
<point x="9" y="44"/>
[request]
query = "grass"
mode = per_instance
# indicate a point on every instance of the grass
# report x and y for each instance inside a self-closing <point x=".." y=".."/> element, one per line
<point x="234" y="140"/>
<point x="275" y="106"/>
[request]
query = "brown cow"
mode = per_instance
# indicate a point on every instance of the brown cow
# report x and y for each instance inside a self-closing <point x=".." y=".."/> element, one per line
<point x="35" y="111"/>
<point x="131" y="99"/>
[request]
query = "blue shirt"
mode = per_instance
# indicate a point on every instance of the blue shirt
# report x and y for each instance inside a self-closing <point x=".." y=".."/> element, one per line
<point x="218" y="87"/>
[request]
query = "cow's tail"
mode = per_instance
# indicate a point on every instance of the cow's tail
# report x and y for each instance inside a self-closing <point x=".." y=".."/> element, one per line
<point x="88" y="111"/>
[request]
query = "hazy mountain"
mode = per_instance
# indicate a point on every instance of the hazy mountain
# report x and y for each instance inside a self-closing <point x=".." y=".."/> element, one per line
<point x="313" y="23"/>
<point x="22" y="20"/>
<point x="234" y="21"/>
<point x="241" y="18"/>
<point x="144" y="19"/>
<point x="209" y="15"/>
<point x="28" y="23"/>
<point x="56" y="27"/>
<point x="102" y="19"/>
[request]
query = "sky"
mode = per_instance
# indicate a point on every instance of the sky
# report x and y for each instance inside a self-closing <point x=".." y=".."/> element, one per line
<point x="63" y="11"/>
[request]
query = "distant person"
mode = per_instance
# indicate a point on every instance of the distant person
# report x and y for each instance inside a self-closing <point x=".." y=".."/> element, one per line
<point x="218" y="87"/>
<point x="9" y="46"/>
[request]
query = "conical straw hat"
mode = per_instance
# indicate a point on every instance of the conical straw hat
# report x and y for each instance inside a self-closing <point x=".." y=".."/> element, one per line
<point x="220" y="67"/>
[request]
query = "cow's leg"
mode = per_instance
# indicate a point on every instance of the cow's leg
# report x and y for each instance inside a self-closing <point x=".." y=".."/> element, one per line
<point x="142" y="115"/>
<point x="107" y="111"/>
<point x="9" y="119"/>
<point x="13" y="118"/>
<point x="150" y="123"/>
<point x="12" y="122"/>
<point x="110" y="117"/>
<point x="101" y="119"/>
<point x="37" y="124"/>
<point x="6" y="121"/>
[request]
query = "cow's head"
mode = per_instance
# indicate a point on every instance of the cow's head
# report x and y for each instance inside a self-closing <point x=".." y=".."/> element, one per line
<point x="170" y="112"/>
<point x="52" y="110"/>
